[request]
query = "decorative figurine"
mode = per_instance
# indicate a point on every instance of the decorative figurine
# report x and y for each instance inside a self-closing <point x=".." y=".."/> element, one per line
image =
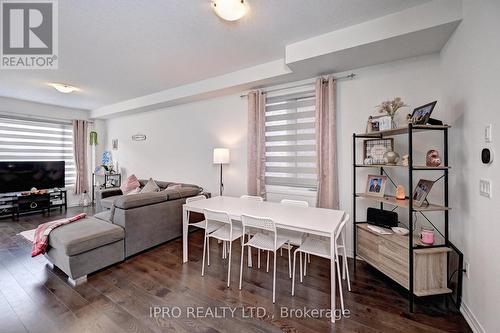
<point x="391" y="157"/>
<point x="404" y="160"/>
<point x="433" y="159"/>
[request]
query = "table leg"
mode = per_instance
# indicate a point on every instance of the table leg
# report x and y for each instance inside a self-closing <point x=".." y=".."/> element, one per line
<point x="185" y="228"/>
<point x="332" y="276"/>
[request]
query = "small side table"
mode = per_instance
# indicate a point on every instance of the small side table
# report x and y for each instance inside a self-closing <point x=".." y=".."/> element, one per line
<point x="110" y="180"/>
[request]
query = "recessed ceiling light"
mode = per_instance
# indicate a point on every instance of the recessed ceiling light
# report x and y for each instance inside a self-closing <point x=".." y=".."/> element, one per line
<point x="230" y="10"/>
<point x="63" y="88"/>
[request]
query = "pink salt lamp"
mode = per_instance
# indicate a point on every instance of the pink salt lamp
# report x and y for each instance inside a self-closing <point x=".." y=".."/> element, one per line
<point x="400" y="192"/>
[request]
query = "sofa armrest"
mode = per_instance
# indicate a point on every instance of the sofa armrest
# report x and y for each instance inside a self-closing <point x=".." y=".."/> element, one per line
<point x="139" y="200"/>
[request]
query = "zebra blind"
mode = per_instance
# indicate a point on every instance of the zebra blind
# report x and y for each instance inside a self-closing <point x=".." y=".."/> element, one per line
<point x="291" y="139"/>
<point x="27" y="140"/>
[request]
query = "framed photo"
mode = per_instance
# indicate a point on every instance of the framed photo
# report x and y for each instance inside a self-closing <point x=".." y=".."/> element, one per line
<point x="375" y="185"/>
<point x="374" y="150"/>
<point x="421" y="115"/>
<point x="421" y="191"/>
<point x="378" y="123"/>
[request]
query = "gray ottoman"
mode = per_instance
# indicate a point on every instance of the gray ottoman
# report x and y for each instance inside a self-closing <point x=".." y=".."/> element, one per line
<point x="85" y="246"/>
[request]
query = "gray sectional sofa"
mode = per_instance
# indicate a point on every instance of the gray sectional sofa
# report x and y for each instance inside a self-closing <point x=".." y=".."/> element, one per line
<point x="126" y="225"/>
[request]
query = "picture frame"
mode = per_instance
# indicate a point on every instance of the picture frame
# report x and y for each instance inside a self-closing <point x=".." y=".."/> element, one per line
<point x="421" y="114"/>
<point x="373" y="124"/>
<point x="374" y="150"/>
<point x="375" y="185"/>
<point x="421" y="191"/>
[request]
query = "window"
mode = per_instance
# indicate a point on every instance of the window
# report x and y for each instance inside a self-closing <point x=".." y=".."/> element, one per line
<point x="26" y="140"/>
<point x="291" y="139"/>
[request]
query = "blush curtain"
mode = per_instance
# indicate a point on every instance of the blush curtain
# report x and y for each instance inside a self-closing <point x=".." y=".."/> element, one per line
<point x="80" y="153"/>
<point x="256" y="143"/>
<point x="326" y="143"/>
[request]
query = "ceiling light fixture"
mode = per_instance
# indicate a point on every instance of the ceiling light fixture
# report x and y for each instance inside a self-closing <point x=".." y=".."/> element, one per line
<point x="230" y="10"/>
<point x="63" y="88"/>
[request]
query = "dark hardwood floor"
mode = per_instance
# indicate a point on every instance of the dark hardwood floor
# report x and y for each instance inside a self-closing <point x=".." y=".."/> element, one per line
<point x="35" y="298"/>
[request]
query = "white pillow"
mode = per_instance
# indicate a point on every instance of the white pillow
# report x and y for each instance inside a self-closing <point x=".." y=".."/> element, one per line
<point x="134" y="191"/>
<point x="150" y="186"/>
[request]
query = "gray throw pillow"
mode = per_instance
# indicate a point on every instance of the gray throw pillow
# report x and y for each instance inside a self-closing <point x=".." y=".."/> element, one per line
<point x="150" y="186"/>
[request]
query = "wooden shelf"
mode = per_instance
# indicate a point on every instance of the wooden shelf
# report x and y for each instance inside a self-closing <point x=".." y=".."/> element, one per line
<point x="391" y="200"/>
<point x="415" y="167"/>
<point x="403" y="130"/>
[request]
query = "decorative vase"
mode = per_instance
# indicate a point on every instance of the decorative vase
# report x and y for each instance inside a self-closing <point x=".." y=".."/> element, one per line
<point x="84" y="199"/>
<point x="433" y="159"/>
<point x="391" y="157"/>
<point x="393" y="123"/>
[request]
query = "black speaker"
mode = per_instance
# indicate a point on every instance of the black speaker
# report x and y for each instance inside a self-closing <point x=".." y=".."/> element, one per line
<point x="382" y="218"/>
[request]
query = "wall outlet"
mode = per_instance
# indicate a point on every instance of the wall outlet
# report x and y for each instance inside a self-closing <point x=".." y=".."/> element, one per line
<point x="467" y="270"/>
<point x="485" y="188"/>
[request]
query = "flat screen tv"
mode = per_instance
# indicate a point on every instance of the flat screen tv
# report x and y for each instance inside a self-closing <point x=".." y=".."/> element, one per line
<point x="22" y="176"/>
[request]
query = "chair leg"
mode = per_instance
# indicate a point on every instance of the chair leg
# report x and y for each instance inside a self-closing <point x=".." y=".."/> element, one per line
<point x="203" y="258"/>
<point x="293" y="274"/>
<point x="340" y="281"/>
<point x="305" y="263"/>
<point x="300" y="258"/>
<point x="274" y="277"/>
<point x="267" y="268"/>
<point x="249" y="254"/>
<point x="229" y="264"/>
<point x="241" y="263"/>
<point x="208" y="252"/>
<point x="223" y="249"/>
<point x="346" y="267"/>
<point x="289" y="262"/>
<point x="281" y="251"/>
<point x="258" y="258"/>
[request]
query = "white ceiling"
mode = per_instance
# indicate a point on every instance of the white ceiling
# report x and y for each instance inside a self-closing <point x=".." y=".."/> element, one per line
<point x="116" y="50"/>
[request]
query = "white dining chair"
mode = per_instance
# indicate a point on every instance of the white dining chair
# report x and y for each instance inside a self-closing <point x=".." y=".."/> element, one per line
<point x="203" y="224"/>
<point x="260" y="199"/>
<point x="294" y="237"/>
<point x="266" y="238"/>
<point x="226" y="233"/>
<point x="321" y="248"/>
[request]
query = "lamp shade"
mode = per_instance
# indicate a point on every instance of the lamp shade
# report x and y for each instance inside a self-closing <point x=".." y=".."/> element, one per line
<point x="221" y="156"/>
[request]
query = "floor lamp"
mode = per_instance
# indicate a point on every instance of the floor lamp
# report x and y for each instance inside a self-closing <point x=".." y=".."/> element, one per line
<point x="221" y="156"/>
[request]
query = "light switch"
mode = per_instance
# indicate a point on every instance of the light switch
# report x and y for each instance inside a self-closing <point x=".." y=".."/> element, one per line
<point x="485" y="188"/>
<point x="488" y="134"/>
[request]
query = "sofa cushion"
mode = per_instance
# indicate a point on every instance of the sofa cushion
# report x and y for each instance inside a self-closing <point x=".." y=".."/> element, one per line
<point x="150" y="187"/>
<point x="108" y="201"/>
<point x="84" y="235"/>
<point x="139" y="200"/>
<point x="104" y="216"/>
<point x="131" y="184"/>
<point x="174" y="193"/>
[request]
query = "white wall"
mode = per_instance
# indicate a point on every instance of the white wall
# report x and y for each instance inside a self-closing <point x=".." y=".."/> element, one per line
<point x="470" y="64"/>
<point x="180" y="141"/>
<point x="40" y="111"/>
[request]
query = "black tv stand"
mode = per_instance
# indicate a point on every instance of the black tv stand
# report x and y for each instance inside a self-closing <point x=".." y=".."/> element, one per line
<point x="14" y="204"/>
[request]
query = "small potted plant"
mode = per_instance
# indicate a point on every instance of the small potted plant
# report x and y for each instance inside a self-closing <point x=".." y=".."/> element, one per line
<point x="390" y="108"/>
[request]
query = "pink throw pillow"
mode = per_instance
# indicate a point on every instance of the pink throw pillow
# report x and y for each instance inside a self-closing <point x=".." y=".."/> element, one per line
<point x="131" y="184"/>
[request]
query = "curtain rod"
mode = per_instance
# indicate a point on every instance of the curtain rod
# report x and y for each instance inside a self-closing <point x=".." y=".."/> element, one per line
<point x="24" y="116"/>
<point x="350" y="76"/>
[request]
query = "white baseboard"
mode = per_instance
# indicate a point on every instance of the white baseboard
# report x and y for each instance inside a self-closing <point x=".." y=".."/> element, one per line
<point x="471" y="319"/>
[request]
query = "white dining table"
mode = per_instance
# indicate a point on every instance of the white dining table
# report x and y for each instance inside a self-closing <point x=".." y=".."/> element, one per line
<point x="311" y="220"/>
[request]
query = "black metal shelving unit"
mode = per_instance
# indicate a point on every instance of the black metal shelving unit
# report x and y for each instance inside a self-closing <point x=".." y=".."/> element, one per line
<point x="409" y="132"/>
